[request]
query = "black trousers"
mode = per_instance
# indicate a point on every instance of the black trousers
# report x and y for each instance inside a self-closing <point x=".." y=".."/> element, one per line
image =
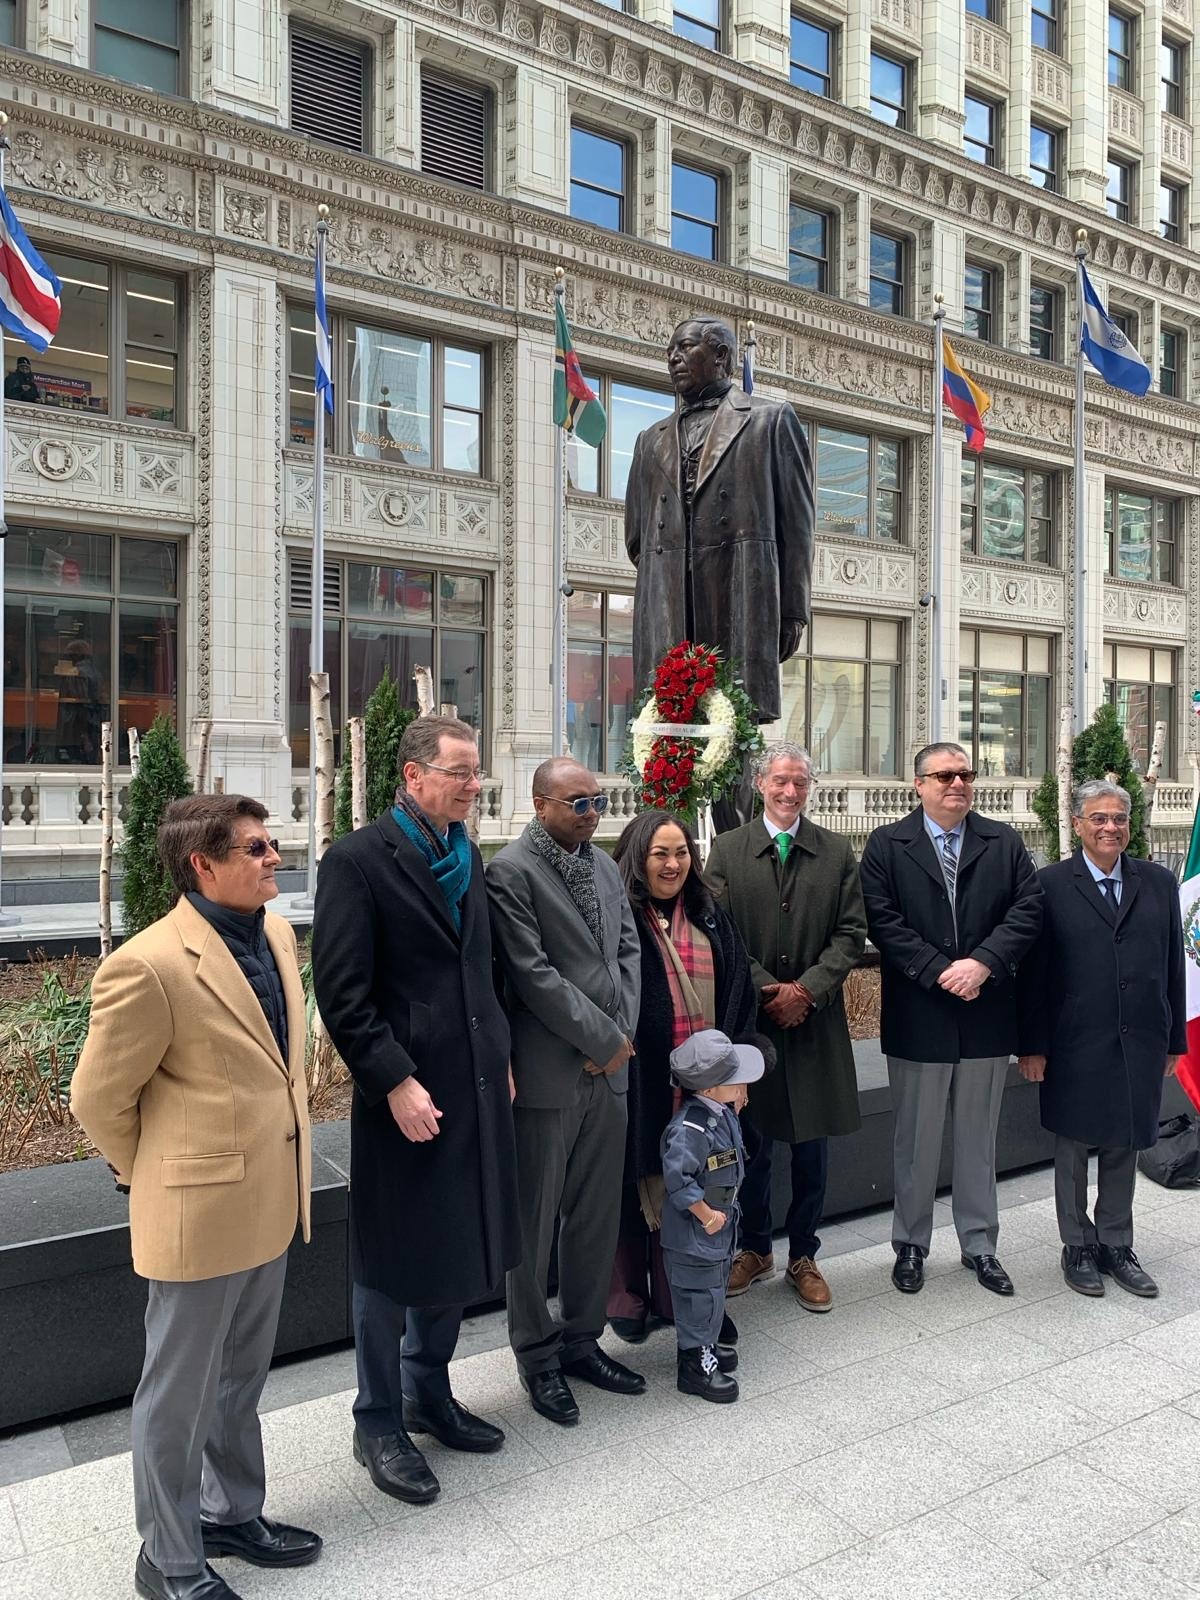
<point x="810" y="1173"/>
<point x="402" y="1353"/>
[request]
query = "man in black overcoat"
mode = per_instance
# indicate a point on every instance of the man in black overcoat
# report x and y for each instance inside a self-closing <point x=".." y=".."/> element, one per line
<point x="1103" y="1021"/>
<point x="402" y="968"/>
<point x="719" y="524"/>
<point x="953" y="906"/>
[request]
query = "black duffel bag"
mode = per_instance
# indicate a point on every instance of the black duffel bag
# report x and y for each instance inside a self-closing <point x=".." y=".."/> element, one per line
<point x="1175" y="1159"/>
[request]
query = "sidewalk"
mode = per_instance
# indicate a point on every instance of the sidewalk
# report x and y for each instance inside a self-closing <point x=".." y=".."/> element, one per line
<point x="947" y="1446"/>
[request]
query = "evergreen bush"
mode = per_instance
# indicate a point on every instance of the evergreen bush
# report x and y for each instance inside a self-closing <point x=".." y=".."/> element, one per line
<point x="147" y="892"/>
<point x="1097" y="751"/>
<point x="385" y="720"/>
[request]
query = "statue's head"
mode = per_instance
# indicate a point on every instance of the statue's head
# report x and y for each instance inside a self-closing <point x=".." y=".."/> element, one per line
<point x="701" y="352"/>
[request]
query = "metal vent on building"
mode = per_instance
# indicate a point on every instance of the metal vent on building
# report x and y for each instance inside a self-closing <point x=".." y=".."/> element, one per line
<point x="300" y="584"/>
<point x="329" y="90"/>
<point x="454" y="131"/>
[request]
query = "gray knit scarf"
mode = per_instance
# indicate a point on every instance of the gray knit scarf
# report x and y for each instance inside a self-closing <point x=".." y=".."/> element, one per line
<point x="577" y="871"/>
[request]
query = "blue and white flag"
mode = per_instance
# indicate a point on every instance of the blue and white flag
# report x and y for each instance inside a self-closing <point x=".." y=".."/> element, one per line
<point x="1106" y="347"/>
<point x="324" y="377"/>
<point x="748" y="366"/>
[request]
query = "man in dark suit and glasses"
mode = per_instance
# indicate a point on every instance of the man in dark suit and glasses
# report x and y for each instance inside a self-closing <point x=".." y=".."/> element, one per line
<point x="953" y="906"/>
<point x="1103" y="1021"/>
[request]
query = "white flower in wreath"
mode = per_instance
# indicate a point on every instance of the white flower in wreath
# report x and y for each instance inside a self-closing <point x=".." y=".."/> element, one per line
<point x="715" y="709"/>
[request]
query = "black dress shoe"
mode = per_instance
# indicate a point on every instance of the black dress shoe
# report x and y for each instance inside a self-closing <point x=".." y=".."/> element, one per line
<point x="989" y="1272"/>
<point x="155" y="1585"/>
<point x="632" y="1329"/>
<point x="727" y="1358"/>
<point x="1080" y="1270"/>
<point x="604" y="1373"/>
<point x="397" y="1467"/>
<point x="1119" y="1263"/>
<point x="699" y="1372"/>
<point x="262" y="1542"/>
<point x="909" y="1272"/>
<point x="550" y="1397"/>
<point x="452" y="1424"/>
<point x="728" y="1333"/>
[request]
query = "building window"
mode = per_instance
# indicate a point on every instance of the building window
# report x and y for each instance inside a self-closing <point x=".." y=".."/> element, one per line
<point x="695" y="211"/>
<point x="1004" y="699"/>
<point x="1007" y="512"/>
<point x="598" y="167"/>
<point x="604" y="470"/>
<point x="91" y="620"/>
<point x="1143" y="536"/>
<point x="1172" y="346"/>
<point x="456" y="126"/>
<point x="406" y="399"/>
<point x="1045" y="319"/>
<point x="841" y="696"/>
<point x="812" y="58"/>
<point x="889" y="90"/>
<point x="1119" y="198"/>
<point x="1044" y="159"/>
<point x="1170" y="211"/>
<point x="809" y="247"/>
<point x="1127" y="322"/>
<point x="859" y="484"/>
<point x="8" y="23"/>
<point x="117" y="348"/>
<point x="1174" y="66"/>
<point x="137" y="43"/>
<point x="1046" y="25"/>
<point x="699" y="21"/>
<point x="379" y="616"/>
<point x="981" y="136"/>
<point x="1140" y="682"/>
<point x="600" y="687"/>
<point x="328" y="95"/>
<point x="981" y="295"/>
<point x="1120" y="50"/>
<point x="888" y="273"/>
<point x="989" y="10"/>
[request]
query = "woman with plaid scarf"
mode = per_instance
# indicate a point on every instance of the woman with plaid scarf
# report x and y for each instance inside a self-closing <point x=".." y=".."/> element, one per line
<point x="695" y="974"/>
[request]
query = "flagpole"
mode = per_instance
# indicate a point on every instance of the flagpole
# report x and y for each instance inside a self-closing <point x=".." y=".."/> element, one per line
<point x="316" y="648"/>
<point x="562" y="589"/>
<point x="935" y="565"/>
<point x="7" y="918"/>
<point x="1079" y="633"/>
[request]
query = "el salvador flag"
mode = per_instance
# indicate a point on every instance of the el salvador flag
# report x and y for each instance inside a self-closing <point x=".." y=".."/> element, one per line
<point x="1106" y="347"/>
<point x="324" y="378"/>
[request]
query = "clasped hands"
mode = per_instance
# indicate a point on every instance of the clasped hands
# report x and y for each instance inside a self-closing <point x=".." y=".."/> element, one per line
<point x="623" y="1052"/>
<point x="965" y="977"/>
<point x="787" y="1004"/>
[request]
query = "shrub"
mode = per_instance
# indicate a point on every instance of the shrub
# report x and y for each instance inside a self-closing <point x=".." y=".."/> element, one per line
<point x="1099" y="750"/>
<point x="385" y="720"/>
<point x="146" y="891"/>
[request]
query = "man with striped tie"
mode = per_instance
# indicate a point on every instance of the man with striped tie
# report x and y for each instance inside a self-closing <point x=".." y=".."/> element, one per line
<point x="953" y="905"/>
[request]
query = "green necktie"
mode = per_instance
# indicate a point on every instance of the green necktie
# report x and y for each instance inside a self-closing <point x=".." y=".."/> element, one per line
<point x="783" y="843"/>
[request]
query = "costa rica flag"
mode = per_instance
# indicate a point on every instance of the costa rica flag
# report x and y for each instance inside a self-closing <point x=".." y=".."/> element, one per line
<point x="30" y="294"/>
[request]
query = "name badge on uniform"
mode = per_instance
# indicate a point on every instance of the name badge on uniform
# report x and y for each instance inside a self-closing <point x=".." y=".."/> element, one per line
<point x="722" y="1158"/>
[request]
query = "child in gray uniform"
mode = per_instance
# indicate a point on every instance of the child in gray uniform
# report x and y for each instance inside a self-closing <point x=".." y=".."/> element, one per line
<point x="703" y="1163"/>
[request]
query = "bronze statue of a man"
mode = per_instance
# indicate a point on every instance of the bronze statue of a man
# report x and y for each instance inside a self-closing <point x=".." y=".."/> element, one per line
<point x="719" y="520"/>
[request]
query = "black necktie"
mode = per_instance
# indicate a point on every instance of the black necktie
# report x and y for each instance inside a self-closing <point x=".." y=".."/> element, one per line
<point x="1109" y="888"/>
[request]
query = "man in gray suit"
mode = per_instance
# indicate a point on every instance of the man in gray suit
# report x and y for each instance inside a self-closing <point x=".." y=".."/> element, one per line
<point x="567" y="946"/>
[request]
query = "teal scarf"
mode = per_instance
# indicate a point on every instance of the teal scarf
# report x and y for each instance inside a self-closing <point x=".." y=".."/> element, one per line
<point x="449" y="862"/>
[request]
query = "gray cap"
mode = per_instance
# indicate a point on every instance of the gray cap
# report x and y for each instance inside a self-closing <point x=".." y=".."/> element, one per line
<point x="710" y="1058"/>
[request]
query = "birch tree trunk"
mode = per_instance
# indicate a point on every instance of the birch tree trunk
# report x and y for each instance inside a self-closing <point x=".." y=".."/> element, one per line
<point x="358" y="773"/>
<point x="1150" y="781"/>
<point x="318" y="688"/>
<point x="135" y="752"/>
<point x="106" y="838"/>
<point x="1066" y="722"/>
<point x="202" y="757"/>
<point x="423" y="679"/>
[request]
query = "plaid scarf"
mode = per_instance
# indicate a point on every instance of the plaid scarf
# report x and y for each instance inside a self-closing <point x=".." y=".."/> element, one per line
<point x="691" y="975"/>
<point x="578" y="871"/>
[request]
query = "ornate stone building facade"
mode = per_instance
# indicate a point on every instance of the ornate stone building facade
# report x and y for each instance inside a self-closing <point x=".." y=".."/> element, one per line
<point x="822" y="172"/>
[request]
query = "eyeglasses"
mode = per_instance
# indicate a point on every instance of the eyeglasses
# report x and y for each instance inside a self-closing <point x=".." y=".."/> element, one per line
<point x="597" y="802"/>
<point x="257" y="848"/>
<point x="947" y="778"/>
<point x="1099" y="820"/>
<point x="459" y="774"/>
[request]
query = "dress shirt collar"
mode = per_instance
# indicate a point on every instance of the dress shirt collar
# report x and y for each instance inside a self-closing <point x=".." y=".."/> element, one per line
<point x="775" y="830"/>
<point x="937" y="833"/>
<point x="1099" y="872"/>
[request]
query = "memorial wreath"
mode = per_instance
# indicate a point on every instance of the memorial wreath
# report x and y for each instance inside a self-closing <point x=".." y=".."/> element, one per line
<point x="681" y="764"/>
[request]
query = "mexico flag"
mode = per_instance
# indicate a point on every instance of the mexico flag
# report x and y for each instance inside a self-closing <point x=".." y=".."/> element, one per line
<point x="1189" y="903"/>
<point x="576" y="407"/>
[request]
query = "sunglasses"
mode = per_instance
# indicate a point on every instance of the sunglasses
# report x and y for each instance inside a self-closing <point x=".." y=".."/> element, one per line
<point x="257" y="848"/>
<point x="597" y="802"/>
<point x="947" y="778"/>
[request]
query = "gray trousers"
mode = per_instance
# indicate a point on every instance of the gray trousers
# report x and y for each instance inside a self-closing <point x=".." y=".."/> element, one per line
<point x="1113" y="1223"/>
<point x="197" y="1446"/>
<point x="920" y="1093"/>
<point x="698" y="1295"/>
<point x="569" y="1168"/>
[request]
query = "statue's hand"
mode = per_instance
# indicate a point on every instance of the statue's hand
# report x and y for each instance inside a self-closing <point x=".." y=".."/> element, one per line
<point x="790" y="635"/>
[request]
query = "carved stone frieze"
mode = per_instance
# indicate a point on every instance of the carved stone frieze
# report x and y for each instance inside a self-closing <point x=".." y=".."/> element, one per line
<point x="993" y="591"/>
<point x="842" y="570"/>
<point x="1029" y="417"/>
<point x="987" y="50"/>
<point x="596" y="538"/>
<point x="418" y="261"/>
<point x="60" y="459"/>
<point x="1125" y="116"/>
<point x="57" y="164"/>
<point x="864" y="373"/>
<point x="1141" y="609"/>
<point x="245" y="214"/>
<point x="387" y="505"/>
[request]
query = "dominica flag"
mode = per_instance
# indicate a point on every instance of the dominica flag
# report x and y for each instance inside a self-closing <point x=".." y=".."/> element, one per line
<point x="576" y="408"/>
<point x="1189" y="906"/>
